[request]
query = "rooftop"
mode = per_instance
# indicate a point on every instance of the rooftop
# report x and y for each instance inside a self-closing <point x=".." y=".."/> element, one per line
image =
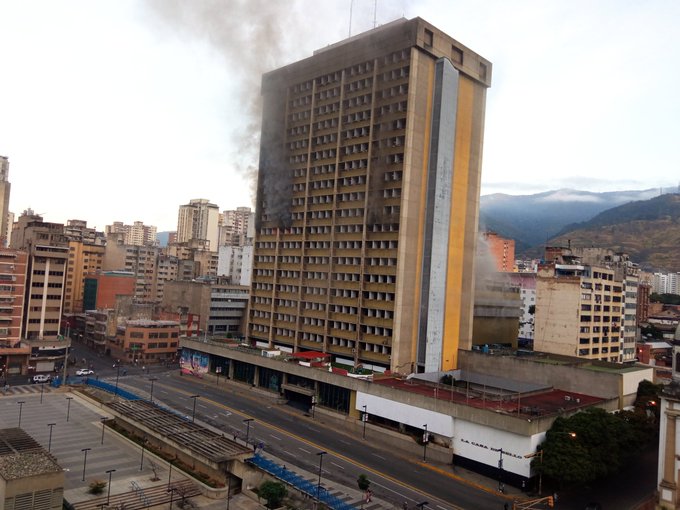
<point x="22" y="456"/>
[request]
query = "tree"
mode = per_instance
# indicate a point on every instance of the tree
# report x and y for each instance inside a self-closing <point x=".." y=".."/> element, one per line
<point x="97" y="487"/>
<point x="586" y="446"/>
<point x="363" y="482"/>
<point x="272" y="492"/>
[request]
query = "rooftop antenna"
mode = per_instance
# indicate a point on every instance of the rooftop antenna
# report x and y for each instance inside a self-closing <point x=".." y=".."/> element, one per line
<point x="351" y="4"/>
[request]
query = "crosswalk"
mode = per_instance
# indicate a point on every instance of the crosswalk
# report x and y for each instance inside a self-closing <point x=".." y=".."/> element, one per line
<point x="26" y="389"/>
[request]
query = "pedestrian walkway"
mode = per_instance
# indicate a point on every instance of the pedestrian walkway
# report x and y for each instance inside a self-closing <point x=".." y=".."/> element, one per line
<point x="27" y="389"/>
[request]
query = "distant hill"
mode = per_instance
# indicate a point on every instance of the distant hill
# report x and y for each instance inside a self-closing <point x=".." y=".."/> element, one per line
<point x="533" y="219"/>
<point x="648" y="230"/>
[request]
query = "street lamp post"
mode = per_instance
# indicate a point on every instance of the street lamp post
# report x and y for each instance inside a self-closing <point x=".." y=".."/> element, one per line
<point x="117" y="376"/>
<point x="141" y="462"/>
<point x="68" y="408"/>
<point x="42" y="390"/>
<point x="103" y="419"/>
<point x="152" y="379"/>
<point x="85" y="450"/>
<point x="171" y="461"/>
<point x="538" y="454"/>
<point x="21" y="406"/>
<point x="426" y="439"/>
<point x="247" y="422"/>
<point x="49" y="443"/>
<point x="365" y="419"/>
<point x="108" y="494"/>
<point x="318" y="485"/>
<point x="193" y="412"/>
<point x="501" y="487"/>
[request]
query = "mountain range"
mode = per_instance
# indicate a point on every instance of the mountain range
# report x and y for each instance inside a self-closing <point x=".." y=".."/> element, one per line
<point x="643" y="223"/>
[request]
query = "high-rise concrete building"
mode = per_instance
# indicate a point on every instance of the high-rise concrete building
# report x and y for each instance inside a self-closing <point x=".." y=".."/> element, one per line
<point x="136" y="234"/>
<point x="13" y="355"/>
<point x="5" y="187"/>
<point x="48" y="256"/>
<point x="199" y="219"/>
<point x="581" y="307"/>
<point x="140" y="260"/>
<point x="501" y="251"/>
<point x="237" y="227"/>
<point x="368" y="200"/>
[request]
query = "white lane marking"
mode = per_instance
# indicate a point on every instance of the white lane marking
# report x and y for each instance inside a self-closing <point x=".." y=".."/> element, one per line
<point x="306" y="451"/>
<point x="203" y="406"/>
<point x="392" y="490"/>
<point x="277" y="438"/>
<point x="227" y="414"/>
<point x="344" y="442"/>
<point x="337" y="465"/>
<point x="383" y="458"/>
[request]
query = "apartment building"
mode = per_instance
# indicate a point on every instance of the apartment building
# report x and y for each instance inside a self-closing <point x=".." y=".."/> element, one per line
<point x="237" y="227"/>
<point x="221" y="308"/>
<point x="368" y="198"/>
<point x="199" y="219"/>
<point x="579" y="309"/>
<point x="501" y="251"/>
<point x="136" y="234"/>
<point x="13" y="355"/>
<point x="5" y="187"/>
<point x="140" y="260"/>
<point x="236" y="264"/>
<point x="48" y="252"/>
<point x="146" y="341"/>
<point x="83" y="259"/>
<point x="103" y="287"/>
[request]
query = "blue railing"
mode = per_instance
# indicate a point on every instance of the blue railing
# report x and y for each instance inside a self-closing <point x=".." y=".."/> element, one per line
<point x="292" y="478"/>
<point x="111" y="388"/>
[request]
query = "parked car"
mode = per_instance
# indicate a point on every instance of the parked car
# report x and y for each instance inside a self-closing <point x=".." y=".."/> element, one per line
<point x="41" y="378"/>
<point x="84" y="371"/>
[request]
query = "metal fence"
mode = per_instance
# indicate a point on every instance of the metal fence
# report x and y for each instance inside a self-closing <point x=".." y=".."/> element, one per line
<point x="295" y="480"/>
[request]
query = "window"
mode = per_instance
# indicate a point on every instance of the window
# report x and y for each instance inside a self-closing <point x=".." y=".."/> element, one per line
<point x="429" y="38"/>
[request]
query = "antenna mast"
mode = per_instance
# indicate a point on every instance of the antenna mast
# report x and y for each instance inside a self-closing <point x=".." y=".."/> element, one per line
<point x="351" y="3"/>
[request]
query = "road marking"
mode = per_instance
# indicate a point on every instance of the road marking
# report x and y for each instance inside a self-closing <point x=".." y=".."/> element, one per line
<point x="163" y="391"/>
<point x="337" y="465"/>
<point x="391" y="490"/>
<point x="383" y="458"/>
<point x="306" y="451"/>
<point x="203" y="406"/>
<point x="277" y="438"/>
<point x="227" y="414"/>
<point x="345" y="442"/>
<point x="439" y="506"/>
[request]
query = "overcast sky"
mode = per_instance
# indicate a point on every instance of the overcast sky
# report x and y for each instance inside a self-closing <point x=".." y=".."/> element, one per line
<point x="122" y="110"/>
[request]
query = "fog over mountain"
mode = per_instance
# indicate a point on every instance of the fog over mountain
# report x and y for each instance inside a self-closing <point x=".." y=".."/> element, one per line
<point x="533" y="219"/>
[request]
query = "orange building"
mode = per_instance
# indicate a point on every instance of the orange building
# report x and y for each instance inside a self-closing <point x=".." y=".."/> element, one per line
<point x="13" y="357"/>
<point x="146" y="341"/>
<point x="101" y="290"/>
<point x="501" y="250"/>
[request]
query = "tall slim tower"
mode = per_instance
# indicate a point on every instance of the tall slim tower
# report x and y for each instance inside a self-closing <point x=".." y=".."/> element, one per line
<point x="368" y="198"/>
<point x="4" y="201"/>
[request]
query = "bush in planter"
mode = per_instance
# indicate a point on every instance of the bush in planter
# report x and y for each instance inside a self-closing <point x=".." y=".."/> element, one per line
<point x="96" y="487"/>
<point x="272" y="492"/>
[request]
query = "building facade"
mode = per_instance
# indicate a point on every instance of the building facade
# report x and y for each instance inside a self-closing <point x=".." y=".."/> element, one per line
<point x="136" y="234"/>
<point x="84" y="259"/>
<point x="13" y="355"/>
<point x="501" y="251"/>
<point x="579" y="311"/>
<point x="368" y="198"/>
<point x="199" y="219"/>
<point x="5" y="188"/>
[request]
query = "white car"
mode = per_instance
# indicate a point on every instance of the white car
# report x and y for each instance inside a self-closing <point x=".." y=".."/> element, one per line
<point x="41" y="379"/>
<point x="84" y="371"/>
